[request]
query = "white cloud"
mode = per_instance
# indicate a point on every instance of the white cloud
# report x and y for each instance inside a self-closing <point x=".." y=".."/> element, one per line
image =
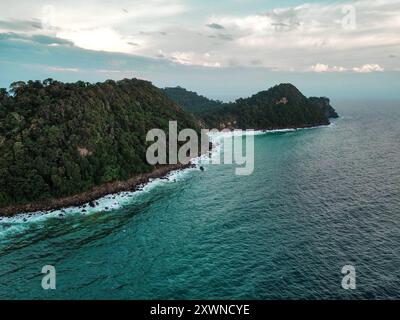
<point x="319" y="67"/>
<point x="101" y="39"/>
<point x="191" y="58"/>
<point x="290" y="38"/>
<point x="369" y="68"/>
<point x="312" y="31"/>
<point x="61" y="69"/>
<point x="96" y="25"/>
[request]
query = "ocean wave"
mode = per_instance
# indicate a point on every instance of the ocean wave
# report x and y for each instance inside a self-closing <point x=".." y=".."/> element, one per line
<point x="219" y="136"/>
<point x="116" y="201"/>
<point x="108" y="203"/>
<point x="217" y="139"/>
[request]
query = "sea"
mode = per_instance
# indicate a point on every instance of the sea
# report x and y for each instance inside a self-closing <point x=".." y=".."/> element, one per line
<point x="318" y="200"/>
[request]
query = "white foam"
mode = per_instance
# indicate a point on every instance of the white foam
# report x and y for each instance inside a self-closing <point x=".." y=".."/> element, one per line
<point x="116" y="201"/>
<point x="217" y="137"/>
<point x="104" y="204"/>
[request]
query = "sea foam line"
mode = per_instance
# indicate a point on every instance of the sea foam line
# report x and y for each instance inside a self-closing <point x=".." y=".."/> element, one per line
<point x="116" y="201"/>
<point x="218" y="136"/>
<point x="106" y="203"/>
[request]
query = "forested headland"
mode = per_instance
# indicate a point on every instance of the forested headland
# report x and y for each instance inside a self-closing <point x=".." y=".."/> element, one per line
<point x="59" y="139"/>
<point x="282" y="106"/>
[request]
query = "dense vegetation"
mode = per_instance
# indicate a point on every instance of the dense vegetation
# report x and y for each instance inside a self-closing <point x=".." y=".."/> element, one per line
<point x="282" y="106"/>
<point x="60" y="139"/>
<point x="191" y="101"/>
<point x="323" y="103"/>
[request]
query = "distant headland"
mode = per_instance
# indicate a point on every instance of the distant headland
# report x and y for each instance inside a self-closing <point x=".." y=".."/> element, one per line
<point x="65" y="144"/>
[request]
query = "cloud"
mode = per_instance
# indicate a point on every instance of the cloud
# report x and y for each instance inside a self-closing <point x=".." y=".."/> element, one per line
<point x="221" y="36"/>
<point x="284" y="19"/>
<point x="101" y="39"/>
<point x="290" y="38"/>
<point x="61" y="69"/>
<point x="191" y="58"/>
<point x="215" y="26"/>
<point x="312" y="31"/>
<point x="83" y="23"/>
<point x="367" y="68"/>
<point x="116" y="71"/>
<point x="320" y="67"/>
<point x="256" y="62"/>
<point x="40" y="39"/>
<point x="28" y="60"/>
<point x="20" y="25"/>
<point x="48" y="40"/>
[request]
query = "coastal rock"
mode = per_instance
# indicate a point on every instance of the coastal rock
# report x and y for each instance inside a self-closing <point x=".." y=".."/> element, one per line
<point x="324" y="105"/>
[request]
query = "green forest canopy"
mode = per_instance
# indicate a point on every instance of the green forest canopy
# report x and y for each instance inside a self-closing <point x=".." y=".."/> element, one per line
<point x="60" y="139"/>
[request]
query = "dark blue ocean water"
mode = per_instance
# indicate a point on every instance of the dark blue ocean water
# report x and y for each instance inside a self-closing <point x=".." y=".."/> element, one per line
<point x="318" y="199"/>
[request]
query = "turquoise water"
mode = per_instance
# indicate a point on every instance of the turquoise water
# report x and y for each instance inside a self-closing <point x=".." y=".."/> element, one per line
<point x="318" y="199"/>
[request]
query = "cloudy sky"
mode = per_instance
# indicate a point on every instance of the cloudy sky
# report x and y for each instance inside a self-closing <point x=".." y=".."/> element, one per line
<point x="223" y="49"/>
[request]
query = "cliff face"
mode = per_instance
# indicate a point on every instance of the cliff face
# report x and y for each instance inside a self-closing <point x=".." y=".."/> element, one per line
<point x="323" y="103"/>
<point x="57" y="139"/>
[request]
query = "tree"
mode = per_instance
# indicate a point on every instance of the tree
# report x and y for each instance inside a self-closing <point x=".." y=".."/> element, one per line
<point x="48" y="82"/>
<point x="17" y="87"/>
<point x="3" y="93"/>
<point x="44" y="125"/>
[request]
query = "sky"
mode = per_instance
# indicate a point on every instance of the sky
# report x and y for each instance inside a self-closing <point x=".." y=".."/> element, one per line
<point x="223" y="49"/>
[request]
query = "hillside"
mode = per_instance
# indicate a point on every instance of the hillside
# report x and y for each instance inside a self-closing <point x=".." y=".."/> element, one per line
<point x="59" y="139"/>
<point x="191" y="101"/>
<point x="324" y="104"/>
<point x="68" y="143"/>
<point x="282" y="106"/>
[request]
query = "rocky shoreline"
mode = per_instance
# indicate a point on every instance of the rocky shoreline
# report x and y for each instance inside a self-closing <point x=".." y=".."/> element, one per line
<point x="97" y="192"/>
<point x="131" y="184"/>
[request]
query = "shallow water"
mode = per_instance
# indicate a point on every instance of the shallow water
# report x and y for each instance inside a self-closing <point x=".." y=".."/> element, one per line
<point x="318" y="199"/>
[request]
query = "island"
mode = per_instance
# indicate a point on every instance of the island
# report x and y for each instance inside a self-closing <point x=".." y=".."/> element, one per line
<point x="66" y="144"/>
